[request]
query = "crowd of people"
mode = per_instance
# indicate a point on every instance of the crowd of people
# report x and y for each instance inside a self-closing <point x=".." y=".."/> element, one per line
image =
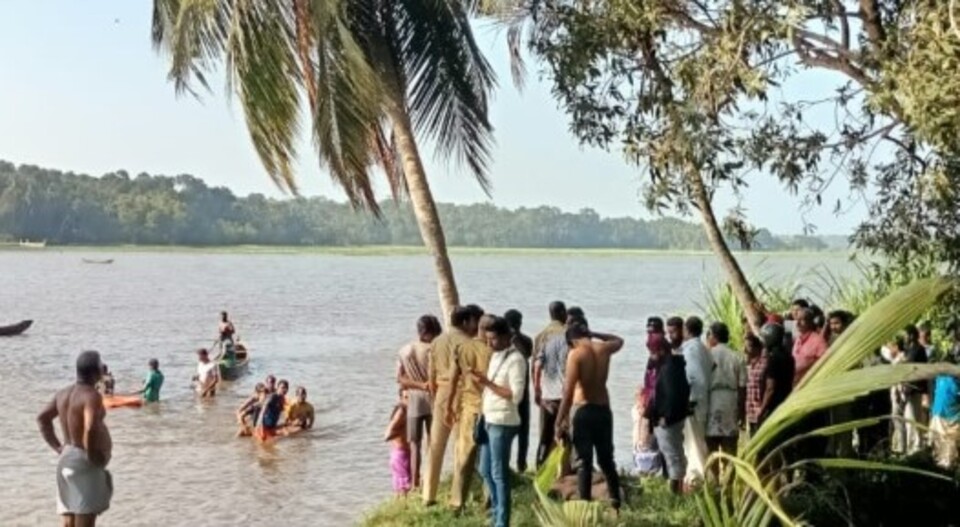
<point x="474" y="383"/>
<point x="269" y="412"/>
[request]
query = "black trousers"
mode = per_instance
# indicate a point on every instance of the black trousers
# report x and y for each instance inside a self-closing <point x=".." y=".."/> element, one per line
<point x="548" y="423"/>
<point x="593" y="431"/>
<point x="523" y="435"/>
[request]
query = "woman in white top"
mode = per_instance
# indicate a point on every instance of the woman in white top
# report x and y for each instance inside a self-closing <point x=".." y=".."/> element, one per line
<point x="504" y="385"/>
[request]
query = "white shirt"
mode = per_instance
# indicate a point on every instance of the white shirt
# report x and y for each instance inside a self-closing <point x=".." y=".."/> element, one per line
<point x="699" y="375"/>
<point x="729" y="375"/>
<point x="206" y="372"/>
<point x="507" y="368"/>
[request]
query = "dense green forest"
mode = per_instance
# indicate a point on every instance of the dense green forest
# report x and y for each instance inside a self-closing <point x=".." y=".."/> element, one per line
<point x="67" y="208"/>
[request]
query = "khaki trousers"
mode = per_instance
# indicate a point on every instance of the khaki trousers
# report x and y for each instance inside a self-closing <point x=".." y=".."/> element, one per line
<point x="464" y="457"/>
<point x="439" y="435"/>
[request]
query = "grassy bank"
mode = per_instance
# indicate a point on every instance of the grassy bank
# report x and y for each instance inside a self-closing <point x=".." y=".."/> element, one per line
<point x="649" y="504"/>
<point x="380" y="250"/>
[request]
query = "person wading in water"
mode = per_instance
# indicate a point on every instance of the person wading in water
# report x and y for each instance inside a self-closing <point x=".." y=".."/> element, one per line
<point x="84" y="487"/>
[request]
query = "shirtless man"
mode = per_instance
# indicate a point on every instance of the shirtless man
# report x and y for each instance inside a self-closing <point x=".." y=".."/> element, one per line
<point x="585" y="387"/>
<point x="84" y="486"/>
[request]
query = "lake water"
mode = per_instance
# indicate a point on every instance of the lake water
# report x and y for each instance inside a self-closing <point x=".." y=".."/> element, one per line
<point x="330" y="323"/>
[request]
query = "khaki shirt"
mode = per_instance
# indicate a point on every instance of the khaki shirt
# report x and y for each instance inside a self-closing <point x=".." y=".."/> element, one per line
<point x="474" y="355"/>
<point x="443" y="355"/>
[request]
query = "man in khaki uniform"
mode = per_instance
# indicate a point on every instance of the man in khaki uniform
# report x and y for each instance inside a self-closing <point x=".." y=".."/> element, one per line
<point x="465" y="407"/>
<point x="443" y="355"/>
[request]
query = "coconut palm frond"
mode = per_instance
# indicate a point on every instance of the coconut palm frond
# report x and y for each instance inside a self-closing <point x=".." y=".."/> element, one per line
<point x="448" y="81"/>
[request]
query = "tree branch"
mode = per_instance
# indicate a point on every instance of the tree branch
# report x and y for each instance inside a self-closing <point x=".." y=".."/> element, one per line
<point x="844" y="24"/>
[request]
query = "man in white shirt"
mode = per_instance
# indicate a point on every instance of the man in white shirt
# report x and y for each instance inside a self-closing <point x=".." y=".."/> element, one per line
<point x="699" y="373"/>
<point x="728" y="390"/>
<point x="208" y="374"/>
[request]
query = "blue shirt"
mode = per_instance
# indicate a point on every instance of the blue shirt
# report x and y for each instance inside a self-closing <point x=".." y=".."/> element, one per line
<point x="946" y="398"/>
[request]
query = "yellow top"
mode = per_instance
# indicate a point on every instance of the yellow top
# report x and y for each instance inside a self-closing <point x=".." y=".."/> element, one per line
<point x="298" y="411"/>
<point x="474" y="355"/>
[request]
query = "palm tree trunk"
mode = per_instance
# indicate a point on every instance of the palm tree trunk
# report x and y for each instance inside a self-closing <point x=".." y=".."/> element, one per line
<point x="736" y="278"/>
<point x="424" y="208"/>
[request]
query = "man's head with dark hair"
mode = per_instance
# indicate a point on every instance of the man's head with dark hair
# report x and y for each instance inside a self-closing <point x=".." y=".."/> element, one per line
<point x="514" y="318"/>
<point x="498" y="334"/>
<point x="428" y="328"/>
<point x="558" y="311"/>
<point x="675" y="331"/>
<point x="806" y="320"/>
<point x="459" y="317"/>
<point x="693" y="328"/>
<point x="911" y="333"/>
<point x="838" y="321"/>
<point x="474" y="314"/>
<point x="575" y="313"/>
<point x="655" y="325"/>
<point x="283" y="386"/>
<point x="154" y="364"/>
<point x="796" y="306"/>
<point x="719" y="333"/>
<point x="752" y="345"/>
<point x="89" y="367"/>
<point x="577" y="333"/>
<point x="224" y="316"/>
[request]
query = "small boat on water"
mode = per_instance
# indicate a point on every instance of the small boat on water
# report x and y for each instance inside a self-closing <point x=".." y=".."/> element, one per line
<point x="95" y="261"/>
<point x="33" y="245"/>
<point x="240" y="364"/>
<point x="15" y="329"/>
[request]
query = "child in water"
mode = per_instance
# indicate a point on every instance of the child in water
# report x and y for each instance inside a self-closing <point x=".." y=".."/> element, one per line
<point x="396" y="434"/>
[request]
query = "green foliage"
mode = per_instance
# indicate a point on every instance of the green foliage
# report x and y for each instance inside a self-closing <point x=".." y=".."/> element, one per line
<point x="708" y="94"/>
<point x="721" y="304"/>
<point x="365" y="67"/>
<point x="65" y="208"/>
<point x="751" y="491"/>
<point x="653" y="507"/>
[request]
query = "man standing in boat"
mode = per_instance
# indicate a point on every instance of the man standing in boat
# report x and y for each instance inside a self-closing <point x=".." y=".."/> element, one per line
<point x="227" y="333"/>
<point x="84" y="487"/>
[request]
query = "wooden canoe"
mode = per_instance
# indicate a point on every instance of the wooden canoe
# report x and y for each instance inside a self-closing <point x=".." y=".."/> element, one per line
<point x="92" y="261"/>
<point x="242" y="361"/>
<point x="15" y="329"/>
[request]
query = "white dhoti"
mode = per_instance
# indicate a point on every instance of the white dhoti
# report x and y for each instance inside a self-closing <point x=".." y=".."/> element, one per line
<point x="82" y="487"/>
<point x="695" y="448"/>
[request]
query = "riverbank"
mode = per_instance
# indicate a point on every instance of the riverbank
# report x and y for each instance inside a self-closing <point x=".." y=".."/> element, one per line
<point x="388" y="250"/>
<point x="649" y="504"/>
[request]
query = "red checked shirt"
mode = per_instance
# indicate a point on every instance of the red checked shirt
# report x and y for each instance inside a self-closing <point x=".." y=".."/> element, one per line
<point x="755" y="369"/>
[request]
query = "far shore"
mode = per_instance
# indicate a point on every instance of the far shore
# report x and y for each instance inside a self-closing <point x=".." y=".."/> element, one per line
<point x="393" y="250"/>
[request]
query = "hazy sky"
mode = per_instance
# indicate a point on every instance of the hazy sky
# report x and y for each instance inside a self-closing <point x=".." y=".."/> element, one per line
<point x="81" y="89"/>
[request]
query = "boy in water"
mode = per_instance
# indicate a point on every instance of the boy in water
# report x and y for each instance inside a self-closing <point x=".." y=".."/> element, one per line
<point x="153" y="382"/>
<point x="396" y="434"/>
<point x="300" y="414"/>
<point x="249" y="411"/>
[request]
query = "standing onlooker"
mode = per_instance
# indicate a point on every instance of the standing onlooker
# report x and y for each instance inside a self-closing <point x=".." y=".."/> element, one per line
<point x="550" y="357"/>
<point x="780" y="371"/>
<point x="913" y="392"/>
<point x="443" y="354"/>
<point x="503" y="384"/>
<point x="926" y="340"/>
<point x="728" y="386"/>
<point x="675" y="333"/>
<point x="585" y="389"/>
<point x="699" y="369"/>
<point x="413" y="375"/>
<point x="524" y="345"/>
<point x="669" y="408"/>
<point x="808" y="346"/>
<point x="153" y="382"/>
<point x="945" y="412"/>
<point x="396" y="434"/>
<point x="837" y="322"/>
<point x="645" y="453"/>
<point x="465" y="404"/>
<point x="756" y="365"/>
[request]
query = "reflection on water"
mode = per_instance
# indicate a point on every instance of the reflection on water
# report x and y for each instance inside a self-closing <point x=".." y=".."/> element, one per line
<point x="330" y="323"/>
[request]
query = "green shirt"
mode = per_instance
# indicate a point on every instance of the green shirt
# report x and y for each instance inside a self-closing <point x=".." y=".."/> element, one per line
<point x="151" y="389"/>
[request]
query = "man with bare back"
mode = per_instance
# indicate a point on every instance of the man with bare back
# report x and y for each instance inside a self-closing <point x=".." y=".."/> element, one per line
<point x="84" y="487"/>
<point x="585" y="389"/>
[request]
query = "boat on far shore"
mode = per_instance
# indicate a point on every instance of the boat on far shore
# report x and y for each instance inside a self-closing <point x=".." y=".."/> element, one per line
<point x="15" y="329"/>
<point x="33" y="245"/>
<point x="97" y="261"/>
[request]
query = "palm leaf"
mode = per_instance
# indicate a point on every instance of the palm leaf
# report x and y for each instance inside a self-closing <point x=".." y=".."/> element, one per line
<point x="551" y="469"/>
<point x="448" y="81"/>
<point x="860" y="464"/>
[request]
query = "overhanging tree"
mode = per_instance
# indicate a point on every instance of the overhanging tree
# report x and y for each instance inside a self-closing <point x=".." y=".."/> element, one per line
<point x="695" y="92"/>
<point x="374" y="74"/>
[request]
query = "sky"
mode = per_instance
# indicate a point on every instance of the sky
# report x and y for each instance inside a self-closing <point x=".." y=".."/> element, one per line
<point x="82" y="90"/>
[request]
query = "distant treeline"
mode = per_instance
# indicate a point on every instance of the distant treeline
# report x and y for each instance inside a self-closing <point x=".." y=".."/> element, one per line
<point x="67" y="208"/>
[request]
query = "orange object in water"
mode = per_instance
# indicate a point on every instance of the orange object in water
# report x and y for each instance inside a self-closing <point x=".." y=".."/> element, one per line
<point x="122" y="401"/>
